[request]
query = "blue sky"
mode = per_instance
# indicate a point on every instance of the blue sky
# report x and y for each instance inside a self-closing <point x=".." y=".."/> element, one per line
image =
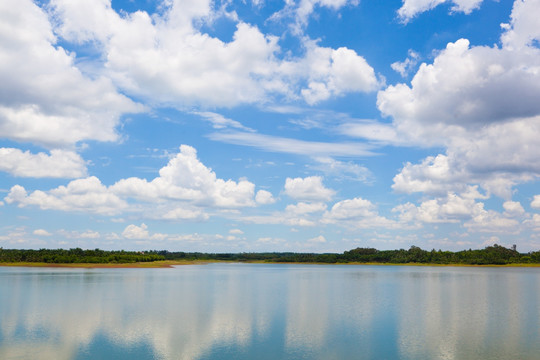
<point x="233" y="126"/>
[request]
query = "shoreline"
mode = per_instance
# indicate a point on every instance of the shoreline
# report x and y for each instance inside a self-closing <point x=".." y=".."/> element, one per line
<point x="170" y="263"/>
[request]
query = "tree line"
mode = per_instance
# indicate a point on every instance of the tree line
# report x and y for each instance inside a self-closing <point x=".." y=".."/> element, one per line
<point x="76" y="256"/>
<point x="491" y="255"/>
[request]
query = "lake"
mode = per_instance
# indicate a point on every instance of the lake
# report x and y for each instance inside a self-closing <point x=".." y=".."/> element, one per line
<point x="267" y="311"/>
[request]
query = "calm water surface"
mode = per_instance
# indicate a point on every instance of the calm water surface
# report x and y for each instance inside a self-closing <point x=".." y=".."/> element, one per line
<point x="257" y="311"/>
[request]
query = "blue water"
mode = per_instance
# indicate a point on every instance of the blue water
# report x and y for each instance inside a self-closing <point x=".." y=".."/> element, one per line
<point x="258" y="311"/>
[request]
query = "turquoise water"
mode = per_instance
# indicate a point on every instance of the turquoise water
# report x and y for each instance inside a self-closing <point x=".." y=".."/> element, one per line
<point x="258" y="311"/>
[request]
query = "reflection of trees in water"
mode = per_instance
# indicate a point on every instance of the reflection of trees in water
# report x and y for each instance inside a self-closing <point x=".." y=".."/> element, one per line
<point x="320" y="312"/>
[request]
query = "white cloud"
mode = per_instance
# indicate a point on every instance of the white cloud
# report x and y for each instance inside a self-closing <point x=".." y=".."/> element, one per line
<point x="303" y="208"/>
<point x="535" y="204"/>
<point x="334" y="72"/>
<point x="303" y="214"/>
<point x="470" y="160"/>
<point x="341" y="169"/>
<point x="302" y="10"/>
<point x="89" y="234"/>
<point x="236" y="232"/>
<point x="185" y="178"/>
<point x="184" y="214"/>
<point x="309" y="189"/>
<point x="277" y="218"/>
<point x="433" y="175"/>
<point x="490" y="221"/>
<point x="451" y="208"/>
<point x="221" y="122"/>
<point x="41" y="232"/>
<point x="463" y="209"/>
<point x="513" y="209"/>
<point x="264" y="197"/>
<point x="370" y="130"/>
<point x="464" y="89"/>
<point x="167" y="59"/>
<point x="50" y="102"/>
<point x="317" y="240"/>
<point x="59" y="164"/>
<point x="534" y="222"/>
<point x="412" y="8"/>
<point x="406" y="66"/>
<point x="473" y="101"/>
<point x="491" y="241"/>
<point x="271" y="241"/>
<point x="81" y="195"/>
<point x="136" y="232"/>
<point x="18" y="236"/>
<point x="292" y="146"/>
<point x="523" y="28"/>
<point x="357" y="213"/>
<point x="184" y="187"/>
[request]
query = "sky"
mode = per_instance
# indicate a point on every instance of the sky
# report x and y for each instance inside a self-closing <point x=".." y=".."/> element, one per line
<point x="253" y="125"/>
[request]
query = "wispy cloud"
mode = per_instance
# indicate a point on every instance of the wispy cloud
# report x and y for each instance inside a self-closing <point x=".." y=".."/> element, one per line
<point x="293" y="146"/>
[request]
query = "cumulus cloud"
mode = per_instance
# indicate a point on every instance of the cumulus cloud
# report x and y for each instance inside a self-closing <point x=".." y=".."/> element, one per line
<point x="310" y="188"/>
<point x="534" y="222"/>
<point x="490" y="221"/>
<point x="357" y="213"/>
<point x="433" y="175"/>
<point x="185" y="178"/>
<point x="522" y="30"/>
<point x="464" y="89"/>
<point x="41" y="232"/>
<point x="334" y="72"/>
<point x="452" y="208"/>
<point x="50" y="101"/>
<point x="300" y="214"/>
<point x="81" y="195"/>
<point x="183" y="189"/>
<point x="481" y="104"/>
<point x="471" y="159"/>
<point x="264" y="197"/>
<point x="166" y="58"/>
<point x="513" y="209"/>
<point x="535" y="204"/>
<point x="136" y="232"/>
<point x="59" y="164"/>
<point x="412" y="8"/>
<point x="463" y="209"/>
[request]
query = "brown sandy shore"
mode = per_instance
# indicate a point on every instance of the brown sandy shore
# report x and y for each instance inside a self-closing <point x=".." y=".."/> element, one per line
<point x="171" y="263"/>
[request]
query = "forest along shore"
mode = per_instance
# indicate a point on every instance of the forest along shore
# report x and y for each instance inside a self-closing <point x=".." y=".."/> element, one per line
<point x="495" y="255"/>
